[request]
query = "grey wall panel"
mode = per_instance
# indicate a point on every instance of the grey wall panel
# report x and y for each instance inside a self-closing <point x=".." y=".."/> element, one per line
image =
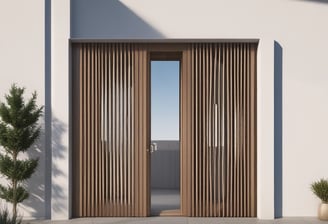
<point x="165" y="165"/>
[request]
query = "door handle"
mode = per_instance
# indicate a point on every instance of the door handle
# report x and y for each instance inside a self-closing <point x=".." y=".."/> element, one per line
<point x="153" y="147"/>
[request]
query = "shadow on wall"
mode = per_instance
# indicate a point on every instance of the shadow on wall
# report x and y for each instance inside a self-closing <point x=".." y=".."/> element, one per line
<point x="35" y="186"/>
<point x="316" y="1"/>
<point x="47" y="106"/>
<point x="58" y="129"/>
<point x="278" y="131"/>
<point x="107" y="19"/>
<point x="38" y="191"/>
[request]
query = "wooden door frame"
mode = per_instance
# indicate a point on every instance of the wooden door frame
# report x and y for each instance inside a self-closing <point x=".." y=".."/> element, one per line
<point x="169" y="53"/>
<point x="173" y="51"/>
<point x="178" y="52"/>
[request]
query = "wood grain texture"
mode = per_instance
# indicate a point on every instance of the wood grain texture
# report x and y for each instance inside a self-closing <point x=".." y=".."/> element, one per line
<point x="219" y="130"/>
<point x="111" y="111"/>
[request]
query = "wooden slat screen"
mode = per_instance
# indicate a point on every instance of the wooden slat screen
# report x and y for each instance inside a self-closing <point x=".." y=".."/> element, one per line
<point x="110" y="130"/>
<point x="218" y="134"/>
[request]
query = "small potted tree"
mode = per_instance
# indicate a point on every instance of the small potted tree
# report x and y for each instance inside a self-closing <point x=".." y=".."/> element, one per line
<point x="19" y="129"/>
<point x="320" y="189"/>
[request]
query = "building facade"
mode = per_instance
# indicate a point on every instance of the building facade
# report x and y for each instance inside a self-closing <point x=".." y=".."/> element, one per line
<point x="36" y="52"/>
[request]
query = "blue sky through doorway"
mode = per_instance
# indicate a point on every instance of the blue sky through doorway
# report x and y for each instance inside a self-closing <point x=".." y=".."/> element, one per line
<point x="165" y="100"/>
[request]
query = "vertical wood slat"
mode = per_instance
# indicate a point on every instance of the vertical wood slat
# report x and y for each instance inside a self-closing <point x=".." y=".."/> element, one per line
<point x="253" y="131"/>
<point x="143" y="146"/>
<point x="77" y="56"/>
<point x="214" y="154"/>
<point x="187" y="156"/>
<point x="114" y="133"/>
<point x="133" y="135"/>
<point x="193" y="146"/>
<point x="222" y="115"/>
<point x="229" y="129"/>
<point x="109" y="127"/>
<point x="211" y="137"/>
<point x="207" y="207"/>
<point x="87" y="132"/>
<point x="91" y="131"/>
<point x="136" y="125"/>
<point x="108" y="116"/>
<point x="203" y="135"/>
<point x="182" y="135"/>
<point x="197" y="159"/>
<point x="238" y="133"/>
<point x="223" y="161"/>
<point x="245" y="134"/>
<point x="101" y="80"/>
<point x="217" y="148"/>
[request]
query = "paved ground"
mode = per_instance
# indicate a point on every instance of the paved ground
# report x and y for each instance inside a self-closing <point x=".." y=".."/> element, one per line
<point x="164" y="199"/>
<point x="182" y="220"/>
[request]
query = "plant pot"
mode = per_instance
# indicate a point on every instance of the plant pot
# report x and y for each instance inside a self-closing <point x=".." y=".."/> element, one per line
<point x="323" y="211"/>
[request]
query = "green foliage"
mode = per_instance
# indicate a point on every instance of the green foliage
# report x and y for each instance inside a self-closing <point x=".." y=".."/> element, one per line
<point x="19" y="170"/>
<point x="5" y="217"/>
<point x="19" y="130"/>
<point x="13" y="195"/>
<point x="320" y="189"/>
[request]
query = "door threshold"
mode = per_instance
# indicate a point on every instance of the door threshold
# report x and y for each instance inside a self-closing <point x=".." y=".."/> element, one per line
<point x="175" y="212"/>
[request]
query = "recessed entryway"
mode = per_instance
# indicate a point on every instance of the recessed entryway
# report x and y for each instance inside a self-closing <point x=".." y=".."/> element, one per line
<point x="165" y="130"/>
<point x="112" y="147"/>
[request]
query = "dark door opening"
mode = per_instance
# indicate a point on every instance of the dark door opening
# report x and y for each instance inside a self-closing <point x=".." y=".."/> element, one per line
<point x="165" y="147"/>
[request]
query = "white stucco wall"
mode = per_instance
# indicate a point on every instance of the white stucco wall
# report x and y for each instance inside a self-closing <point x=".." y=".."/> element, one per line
<point x="22" y="50"/>
<point x="60" y="94"/>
